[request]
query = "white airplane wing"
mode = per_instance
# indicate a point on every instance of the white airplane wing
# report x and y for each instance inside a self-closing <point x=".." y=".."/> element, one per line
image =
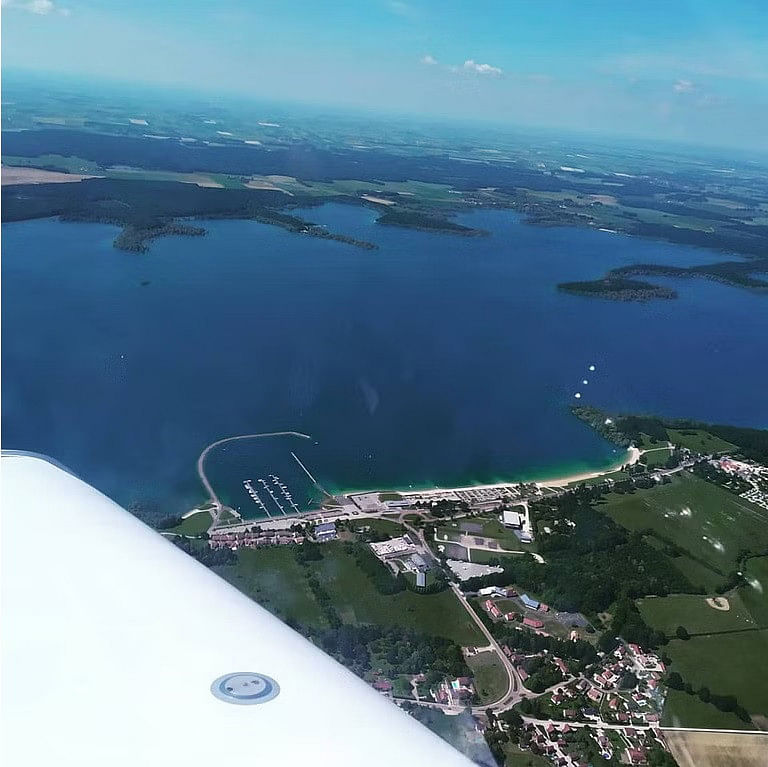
<point x="118" y="649"/>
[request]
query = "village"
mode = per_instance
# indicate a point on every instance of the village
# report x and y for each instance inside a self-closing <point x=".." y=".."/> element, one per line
<point x="555" y="708"/>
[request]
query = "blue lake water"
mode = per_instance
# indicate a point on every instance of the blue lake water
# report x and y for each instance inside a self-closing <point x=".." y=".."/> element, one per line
<point x="435" y="359"/>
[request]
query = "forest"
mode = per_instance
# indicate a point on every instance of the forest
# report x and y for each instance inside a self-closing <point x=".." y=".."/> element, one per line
<point x="589" y="566"/>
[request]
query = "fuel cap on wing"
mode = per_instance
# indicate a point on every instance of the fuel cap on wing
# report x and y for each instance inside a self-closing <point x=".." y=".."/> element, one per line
<point x="245" y="688"/>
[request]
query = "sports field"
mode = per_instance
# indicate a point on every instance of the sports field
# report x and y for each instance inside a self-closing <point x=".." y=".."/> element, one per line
<point x="692" y="611"/>
<point x="709" y="522"/>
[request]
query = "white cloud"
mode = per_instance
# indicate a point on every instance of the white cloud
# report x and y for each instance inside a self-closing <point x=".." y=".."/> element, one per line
<point x="38" y="7"/>
<point x="683" y="86"/>
<point x="481" y="69"/>
<point x="429" y="60"/>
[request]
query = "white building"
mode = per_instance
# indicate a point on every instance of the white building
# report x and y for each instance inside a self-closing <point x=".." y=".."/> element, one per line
<point x="394" y="547"/>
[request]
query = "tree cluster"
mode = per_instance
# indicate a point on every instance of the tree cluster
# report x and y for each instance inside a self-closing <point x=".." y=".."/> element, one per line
<point x="589" y="566"/>
<point x="727" y="703"/>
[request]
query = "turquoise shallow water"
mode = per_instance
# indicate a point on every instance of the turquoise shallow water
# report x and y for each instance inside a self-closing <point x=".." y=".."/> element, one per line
<point x="433" y="360"/>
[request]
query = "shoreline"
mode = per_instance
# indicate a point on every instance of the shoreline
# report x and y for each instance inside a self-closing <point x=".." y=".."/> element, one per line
<point x="631" y="457"/>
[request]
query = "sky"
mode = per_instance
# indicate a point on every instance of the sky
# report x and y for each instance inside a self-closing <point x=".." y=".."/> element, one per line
<point x="686" y="70"/>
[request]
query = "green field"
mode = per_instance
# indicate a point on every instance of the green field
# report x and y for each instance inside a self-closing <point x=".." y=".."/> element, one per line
<point x="196" y="524"/>
<point x="357" y="601"/>
<point x="646" y="442"/>
<point x="755" y="594"/>
<point x="401" y="687"/>
<point x="54" y="162"/>
<point x="656" y="457"/>
<point x="683" y="710"/>
<point x="695" y="572"/>
<point x="272" y="577"/>
<point x="491" y="680"/>
<point x="708" y="521"/>
<point x="484" y="557"/>
<point x="130" y="174"/>
<point x="492" y="528"/>
<point x="699" y="441"/>
<point x="518" y="758"/>
<point x="729" y="664"/>
<point x="692" y="611"/>
<point x="446" y="533"/>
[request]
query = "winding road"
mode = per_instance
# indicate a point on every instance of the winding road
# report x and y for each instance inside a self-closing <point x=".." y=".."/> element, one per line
<point x="514" y="691"/>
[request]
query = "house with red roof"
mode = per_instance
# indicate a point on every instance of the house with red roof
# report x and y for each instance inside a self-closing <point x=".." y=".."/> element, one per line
<point x="595" y="695"/>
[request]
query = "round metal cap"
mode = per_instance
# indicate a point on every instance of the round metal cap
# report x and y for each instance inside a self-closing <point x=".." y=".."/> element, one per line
<point x="245" y="688"/>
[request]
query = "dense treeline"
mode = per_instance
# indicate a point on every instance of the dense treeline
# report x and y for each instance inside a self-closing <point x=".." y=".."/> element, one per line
<point x="138" y="203"/>
<point x="147" y="209"/>
<point x="635" y="425"/>
<point x="406" y="651"/>
<point x="737" y="273"/>
<point x="589" y="566"/>
<point x="752" y="443"/>
<point x="205" y="555"/>
<point x="543" y="673"/>
<point x="627" y="622"/>
<point x="522" y="641"/>
<point x="134" y="239"/>
<point x="724" y="238"/>
<point x="299" y="160"/>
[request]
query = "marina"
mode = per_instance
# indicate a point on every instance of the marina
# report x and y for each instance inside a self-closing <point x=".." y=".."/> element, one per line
<point x="247" y="484"/>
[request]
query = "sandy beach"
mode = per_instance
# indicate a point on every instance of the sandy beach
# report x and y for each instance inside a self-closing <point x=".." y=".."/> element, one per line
<point x="632" y="457"/>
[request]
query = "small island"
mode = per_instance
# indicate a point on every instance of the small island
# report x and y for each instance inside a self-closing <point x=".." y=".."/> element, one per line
<point x="618" y="289"/>
<point x="411" y="219"/>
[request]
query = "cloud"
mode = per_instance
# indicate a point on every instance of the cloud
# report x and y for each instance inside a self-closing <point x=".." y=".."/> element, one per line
<point x="38" y="7"/>
<point x="683" y="86"/>
<point x="481" y="69"/>
<point x="428" y="60"/>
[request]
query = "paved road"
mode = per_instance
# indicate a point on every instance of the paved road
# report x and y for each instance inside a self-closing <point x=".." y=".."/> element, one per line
<point x="514" y="687"/>
<point x="595" y="725"/>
